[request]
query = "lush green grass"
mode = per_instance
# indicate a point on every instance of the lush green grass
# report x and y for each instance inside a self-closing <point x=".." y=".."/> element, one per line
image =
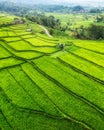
<point x="92" y="56"/>
<point x="45" y="88"/>
<point x="6" y="19"/>
<point x="37" y="42"/>
<point x="97" y="46"/>
<point x="10" y="39"/>
<point x="3" y="53"/>
<point x="57" y="94"/>
<point x="29" y="119"/>
<point x="72" y="80"/>
<point x="4" y="63"/>
<point x="24" y="46"/>
<point x="84" y="65"/>
<point x="3" y="33"/>
<point x="21" y="54"/>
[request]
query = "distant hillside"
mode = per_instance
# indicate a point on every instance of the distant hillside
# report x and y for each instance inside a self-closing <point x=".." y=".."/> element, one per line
<point x="61" y="2"/>
<point x="23" y="8"/>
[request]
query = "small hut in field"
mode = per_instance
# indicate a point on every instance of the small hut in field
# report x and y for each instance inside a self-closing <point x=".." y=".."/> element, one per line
<point x="61" y="46"/>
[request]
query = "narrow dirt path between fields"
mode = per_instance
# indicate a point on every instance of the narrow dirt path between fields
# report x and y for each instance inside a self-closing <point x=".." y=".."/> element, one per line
<point x="46" y="31"/>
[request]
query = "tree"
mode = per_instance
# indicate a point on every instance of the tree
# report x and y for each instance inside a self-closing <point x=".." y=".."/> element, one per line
<point x="48" y="21"/>
<point x="95" y="10"/>
<point x="99" y="18"/>
<point x="96" y="31"/>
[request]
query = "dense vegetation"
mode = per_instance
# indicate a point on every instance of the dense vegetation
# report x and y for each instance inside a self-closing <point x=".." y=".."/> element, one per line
<point x="51" y="67"/>
<point x="21" y="9"/>
<point x="94" y="30"/>
<point x="42" y="19"/>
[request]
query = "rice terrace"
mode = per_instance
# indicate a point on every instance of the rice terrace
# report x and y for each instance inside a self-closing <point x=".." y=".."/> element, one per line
<point x="51" y="75"/>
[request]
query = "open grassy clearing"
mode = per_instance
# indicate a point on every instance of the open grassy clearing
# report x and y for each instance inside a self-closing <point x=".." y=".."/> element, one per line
<point x="45" y="88"/>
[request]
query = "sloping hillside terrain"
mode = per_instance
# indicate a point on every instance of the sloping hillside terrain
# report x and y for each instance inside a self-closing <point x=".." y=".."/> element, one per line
<point x="47" y="84"/>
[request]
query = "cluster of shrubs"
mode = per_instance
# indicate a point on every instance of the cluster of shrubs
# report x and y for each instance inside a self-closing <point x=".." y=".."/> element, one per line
<point x="93" y="32"/>
<point x="42" y="19"/>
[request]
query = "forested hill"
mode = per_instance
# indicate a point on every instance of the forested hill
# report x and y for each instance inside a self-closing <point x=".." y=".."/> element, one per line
<point x="93" y="3"/>
<point x="21" y="9"/>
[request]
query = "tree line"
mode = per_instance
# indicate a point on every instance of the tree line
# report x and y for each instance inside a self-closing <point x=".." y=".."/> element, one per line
<point x="42" y="19"/>
<point x="93" y="32"/>
<point x="21" y="9"/>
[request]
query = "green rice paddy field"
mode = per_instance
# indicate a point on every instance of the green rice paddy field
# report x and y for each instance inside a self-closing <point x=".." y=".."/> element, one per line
<point x="45" y="88"/>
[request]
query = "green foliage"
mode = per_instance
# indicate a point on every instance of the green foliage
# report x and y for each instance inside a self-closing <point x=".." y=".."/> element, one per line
<point x="48" y="21"/>
<point x="95" y="10"/>
<point x="78" y="9"/>
<point x="93" y="32"/>
<point x="99" y="18"/>
<point x="96" y="32"/>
